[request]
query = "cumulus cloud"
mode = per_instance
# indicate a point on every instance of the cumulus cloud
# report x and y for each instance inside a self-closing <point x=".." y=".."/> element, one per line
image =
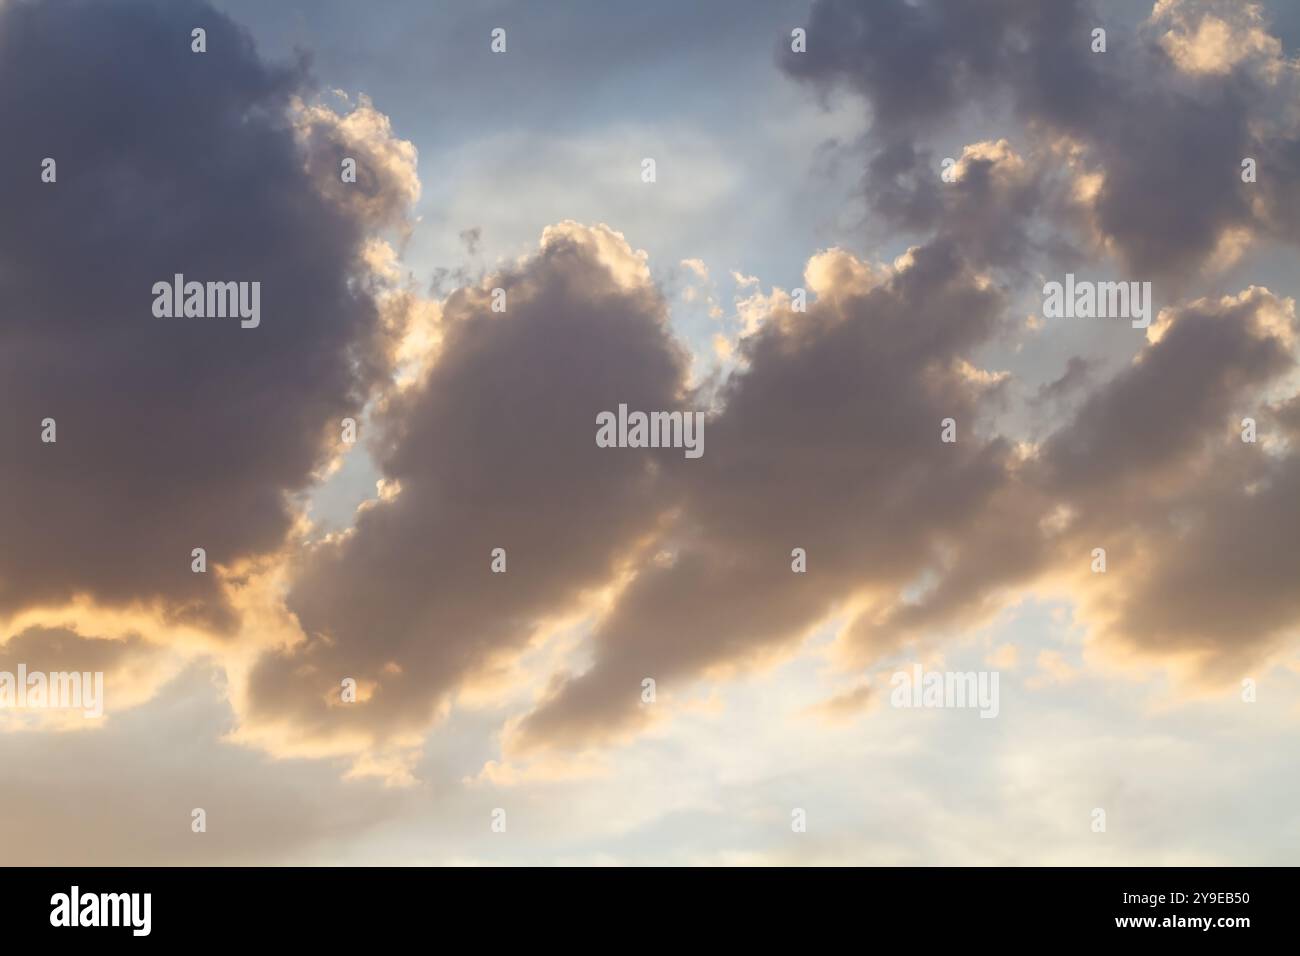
<point x="1160" y="128"/>
<point x="825" y="437"/>
<point x="913" y="538"/>
<point x="1196" y="522"/>
<point x="386" y="185"/>
<point x="172" y="434"/>
<point x="1215" y="38"/>
<point x="494" y="449"/>
<point x="987" y="209"/>
<point x="824" y="434"/>
<point x="828" y="440"/>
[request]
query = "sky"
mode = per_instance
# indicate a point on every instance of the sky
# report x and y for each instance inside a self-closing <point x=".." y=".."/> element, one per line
<point x="434" y="620"/>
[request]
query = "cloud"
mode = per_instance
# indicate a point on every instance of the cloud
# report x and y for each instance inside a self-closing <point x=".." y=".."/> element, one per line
<point x="1197" y="524"/>
<point x="387" y="185"/>
<point x="133" y="670"/>
<point x="824" y="434"/>
<point x="845" y="706"/>
<point x="494" y="449"/>
<point x="829" y="440"/>
<point x="914" y="539"/>
<point x="178" y="433"/>
<point x="1077" y="372"/>
<point x="1161" y="152"/>
<point x="916" y="63"/>
<point x="1200" y="41"/>
<point x="987" y="209"/>
<point x="1149" y="425"/>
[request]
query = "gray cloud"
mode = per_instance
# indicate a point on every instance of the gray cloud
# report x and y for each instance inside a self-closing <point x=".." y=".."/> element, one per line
<point x="1199" y="526"/>
<point x="828" y="440"/>
<point x="918" y="63"/>
<point x="184" y="433"/>
<point x="1077" y="372"/>
<point x="495" y="449"/>
<point x="1149" y="423"/>
<point x="1168" y="143"/>
<point x="172" y="433"/>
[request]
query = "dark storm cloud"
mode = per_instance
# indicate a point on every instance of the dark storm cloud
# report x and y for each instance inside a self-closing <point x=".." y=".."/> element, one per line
<point x="496" y="449"/>
<point x="172" y="433"/>
<point x="1169" y="143"/>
